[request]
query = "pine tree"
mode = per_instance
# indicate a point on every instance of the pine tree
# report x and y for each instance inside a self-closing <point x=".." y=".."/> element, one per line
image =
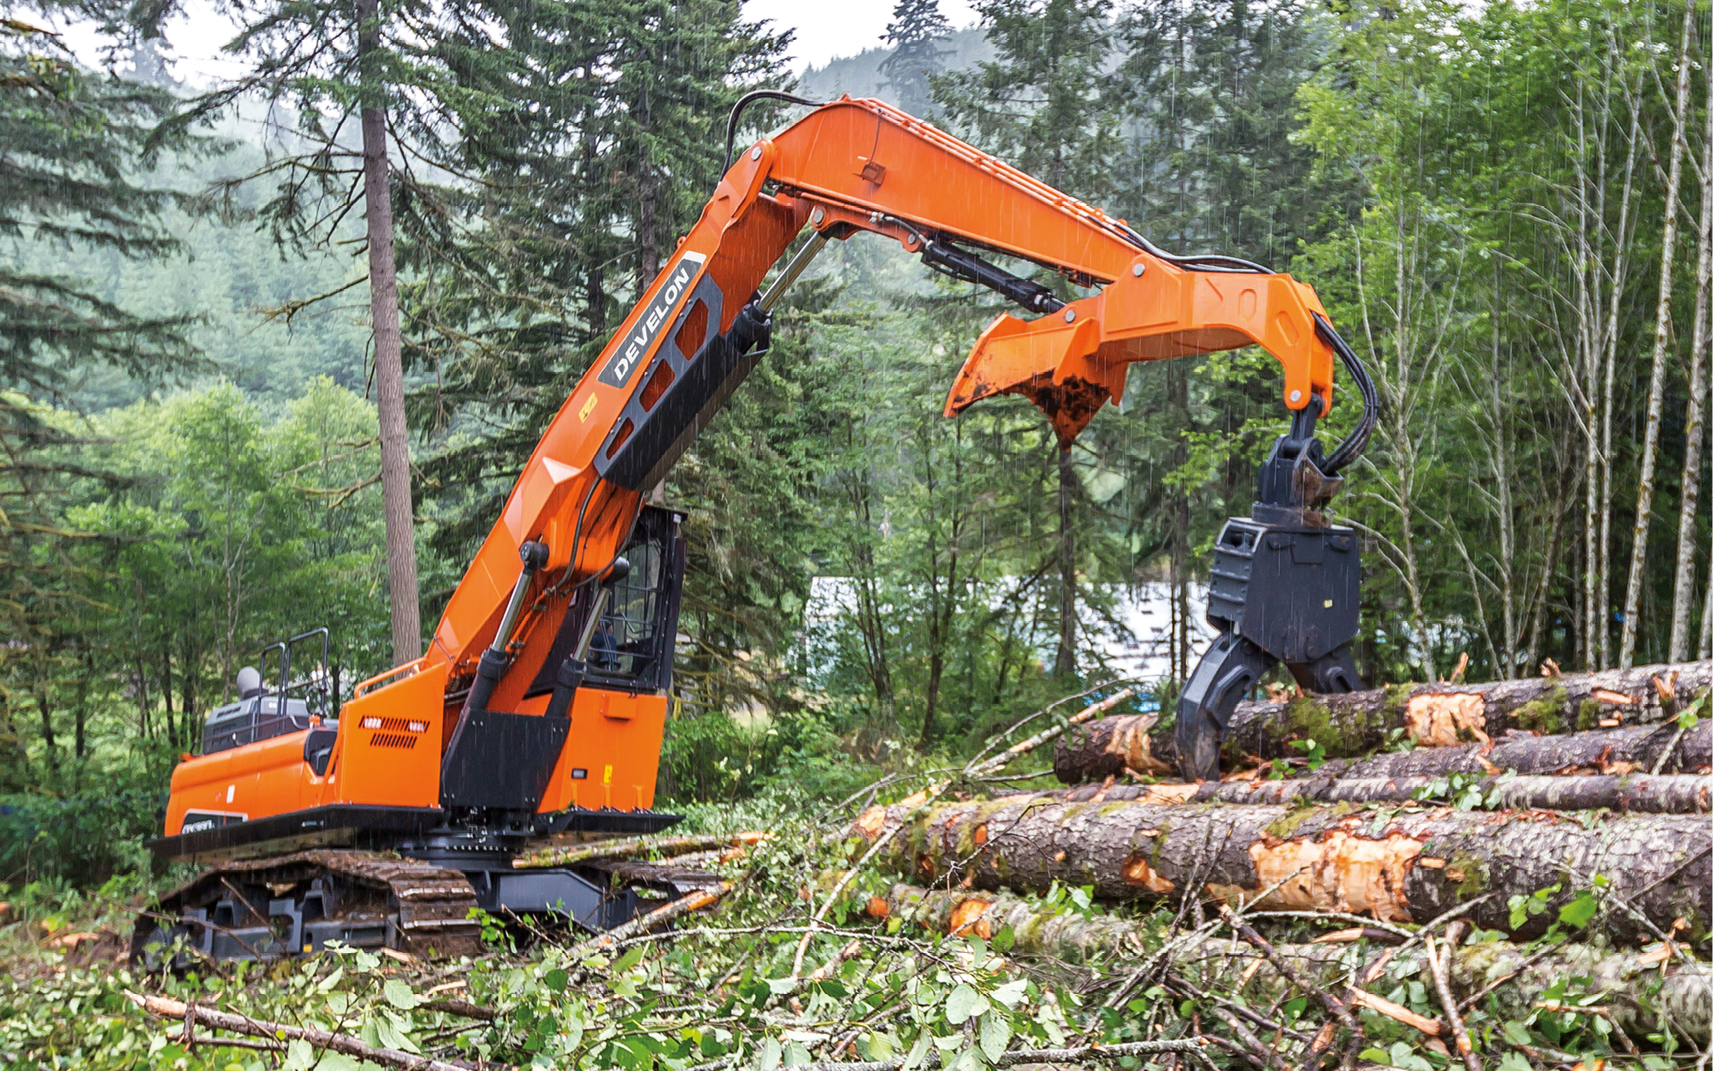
<point x="915" y="33"/>
<point x="74" y="174"/>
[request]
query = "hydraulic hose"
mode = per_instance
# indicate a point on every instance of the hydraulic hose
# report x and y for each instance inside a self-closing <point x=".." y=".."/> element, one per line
<point x="1352" y="447"/>
<point x="745" y="101"/>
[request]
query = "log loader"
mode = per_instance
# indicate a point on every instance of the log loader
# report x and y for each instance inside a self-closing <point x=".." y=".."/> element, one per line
<point x="539" y="707"/>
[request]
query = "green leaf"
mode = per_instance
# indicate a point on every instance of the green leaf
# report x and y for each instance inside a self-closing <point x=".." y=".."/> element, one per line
<point x="918" y="1052"/>
<point x="961" y="1003"/>
<point x="628" y="960"/>
<point x="1012" y="992"/>
<point x="1517" y="1034"/>
<point x="1579" y="911"/>
<point x="1373" y="1055"/>
<point x="1004" y="939"/>
<point x="556" y="980"/>
<point x="398" y="994"/>
<point x="995" y="1035"/>
<point x="300" y="1055"/>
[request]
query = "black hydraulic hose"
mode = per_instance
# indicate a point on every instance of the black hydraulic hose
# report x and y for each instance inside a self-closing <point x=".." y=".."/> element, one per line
<point x="745" y="101"/>
<point x="1195" y="261"/>
<point x="1348" y="450"/>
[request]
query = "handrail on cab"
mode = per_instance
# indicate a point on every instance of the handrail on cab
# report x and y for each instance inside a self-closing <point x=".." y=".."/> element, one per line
<point x="408" y="669"/>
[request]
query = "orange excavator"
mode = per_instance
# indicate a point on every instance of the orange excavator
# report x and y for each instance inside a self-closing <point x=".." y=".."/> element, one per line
<point x="538" y="710"/>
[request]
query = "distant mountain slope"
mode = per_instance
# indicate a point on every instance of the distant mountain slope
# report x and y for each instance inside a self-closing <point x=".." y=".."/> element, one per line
<point x="860" y="76"/>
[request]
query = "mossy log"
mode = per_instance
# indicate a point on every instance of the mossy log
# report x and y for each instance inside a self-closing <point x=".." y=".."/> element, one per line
<point x="1405" y="863"/>
<point x="1645" y="793"/>
<point x="1637" y="991"/>
<point x="1428" y="715"/>
<point x="1603" y="751"/>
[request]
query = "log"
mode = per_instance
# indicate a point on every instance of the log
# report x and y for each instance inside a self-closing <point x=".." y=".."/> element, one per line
<point x="1403" y="863"/>
<point x="1114" y="746"/>
<point x="167" y="1008"/>
<point x="664" y="847"/>
<point x="1684" y="991"/>
<point x="1644" y="793"/>
<point x="1426" y="714"/>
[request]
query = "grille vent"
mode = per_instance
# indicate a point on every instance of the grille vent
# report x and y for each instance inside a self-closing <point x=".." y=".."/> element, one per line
<point x="404" y="740"/>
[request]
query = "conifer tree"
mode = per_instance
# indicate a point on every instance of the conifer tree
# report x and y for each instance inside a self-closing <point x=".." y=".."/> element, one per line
<point x="74" y="174"/>
<point x="915" y="33"/>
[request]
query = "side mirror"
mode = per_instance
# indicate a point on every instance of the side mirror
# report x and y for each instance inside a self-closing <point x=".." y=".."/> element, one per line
<point x="617" y="571"/>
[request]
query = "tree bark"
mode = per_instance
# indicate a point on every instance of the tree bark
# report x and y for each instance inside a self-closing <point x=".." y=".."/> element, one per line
<point x="1662" y="340"/>
<point x="1685" y="994"/>
<point x="1065" y="658"/>
<point x="1683" y="587"/>
<point x="1429" y="715"/>
<point x="1407" y="864"/>
<point x="1643" y="793"/>
<point x="389" y="356"/>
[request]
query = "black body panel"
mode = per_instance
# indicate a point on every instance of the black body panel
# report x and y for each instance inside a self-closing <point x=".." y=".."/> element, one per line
<point x="501" y="760"/>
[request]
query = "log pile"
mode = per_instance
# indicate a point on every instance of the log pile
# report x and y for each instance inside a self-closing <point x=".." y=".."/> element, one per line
<point x="1490" y="841"/>
<point x="1556" y="708"/>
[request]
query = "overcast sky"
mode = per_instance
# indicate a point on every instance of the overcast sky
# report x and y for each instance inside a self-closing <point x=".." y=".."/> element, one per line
<point x="825" y="30"/>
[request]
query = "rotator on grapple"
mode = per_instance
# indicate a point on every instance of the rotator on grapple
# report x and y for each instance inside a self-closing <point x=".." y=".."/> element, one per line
<point x="537" y="711"/>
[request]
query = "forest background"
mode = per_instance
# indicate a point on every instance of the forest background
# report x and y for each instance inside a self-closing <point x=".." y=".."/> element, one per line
<point x="1506" y="207"/>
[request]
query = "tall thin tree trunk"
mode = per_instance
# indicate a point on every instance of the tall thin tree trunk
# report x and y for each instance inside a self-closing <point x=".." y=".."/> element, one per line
<point x="1065" y="660"/>
<point x="1609" y="358"/>
<point x="389" y="357"/>
<point x="1683" y="590"/>
<point x="1662" y="339"/>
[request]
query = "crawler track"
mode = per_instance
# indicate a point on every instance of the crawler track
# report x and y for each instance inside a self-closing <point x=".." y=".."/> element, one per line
<point x="292" y="904"/>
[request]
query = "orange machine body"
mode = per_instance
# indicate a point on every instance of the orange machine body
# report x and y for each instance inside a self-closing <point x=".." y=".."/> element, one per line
<point x="847" y="166"/>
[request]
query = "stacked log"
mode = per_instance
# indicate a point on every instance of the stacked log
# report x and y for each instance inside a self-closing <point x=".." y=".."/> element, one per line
<point x="1647" y="793"/>
<point x="1395" y="863"/>
<point x="1424" y="715"/>
<point x="1642" y="992"/>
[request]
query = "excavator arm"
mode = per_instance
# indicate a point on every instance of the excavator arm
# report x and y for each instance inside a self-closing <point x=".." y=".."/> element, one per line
<point x="851" y="166"/>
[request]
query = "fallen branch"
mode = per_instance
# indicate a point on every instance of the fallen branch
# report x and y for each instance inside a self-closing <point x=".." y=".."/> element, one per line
<point x="989" y="767"/>
<point x="1447" y="1002"/>
<point x="1402" y="864"/>
<point x="655" y="919"/>
<point x="1084" y="1054"/>
<point x="637" y="846"/>
<point x="167" y="1008"/>
<point x="1645" y="793"/>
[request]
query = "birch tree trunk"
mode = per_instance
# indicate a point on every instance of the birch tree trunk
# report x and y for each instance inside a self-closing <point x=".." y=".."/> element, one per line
<point x="389" y="358"/>
<point x="1683" y="588"/>
<point x="1662" y="339"/>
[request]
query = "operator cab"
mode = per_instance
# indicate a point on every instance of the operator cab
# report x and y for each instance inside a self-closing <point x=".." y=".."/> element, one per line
<point x="265" y="710"/>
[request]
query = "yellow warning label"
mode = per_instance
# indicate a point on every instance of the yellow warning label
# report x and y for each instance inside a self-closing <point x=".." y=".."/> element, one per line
<point x="608" y="778"/>
<point x="588" y="407"/>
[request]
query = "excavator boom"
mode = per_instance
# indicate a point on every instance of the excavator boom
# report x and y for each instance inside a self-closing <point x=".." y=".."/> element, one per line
<point x="539" y="707"/>
<point x="848" y="166"/>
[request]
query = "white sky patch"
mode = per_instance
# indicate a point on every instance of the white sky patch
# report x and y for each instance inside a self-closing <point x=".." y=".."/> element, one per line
<point x="824" y="31"/>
